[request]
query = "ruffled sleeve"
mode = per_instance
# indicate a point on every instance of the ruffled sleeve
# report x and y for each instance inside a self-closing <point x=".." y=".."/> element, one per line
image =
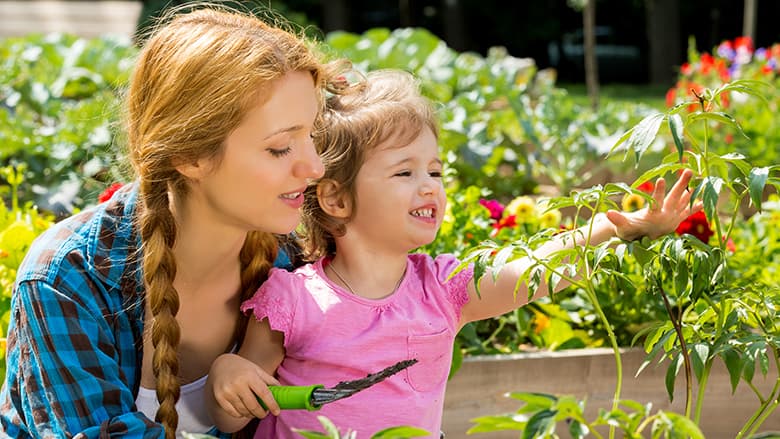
<point x="455" y="285"/>
<point x="275" y="300"/>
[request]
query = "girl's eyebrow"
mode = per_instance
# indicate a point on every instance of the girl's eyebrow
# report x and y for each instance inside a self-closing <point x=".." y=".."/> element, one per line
<point x="438" y="161"/>
<point x="283" y="130"/>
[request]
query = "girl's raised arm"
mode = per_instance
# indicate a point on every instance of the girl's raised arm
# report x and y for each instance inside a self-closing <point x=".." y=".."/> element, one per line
<point x="662" y="217"/>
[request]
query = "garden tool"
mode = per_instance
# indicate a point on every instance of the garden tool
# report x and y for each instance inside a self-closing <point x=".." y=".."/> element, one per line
<point x="313" y="397"/>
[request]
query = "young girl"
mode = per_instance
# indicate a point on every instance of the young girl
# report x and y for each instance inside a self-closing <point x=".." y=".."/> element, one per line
<point x="367" y="303"/>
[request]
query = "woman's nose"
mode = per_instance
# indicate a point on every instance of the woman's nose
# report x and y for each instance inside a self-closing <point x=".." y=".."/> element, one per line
<point x="310" y="164"/>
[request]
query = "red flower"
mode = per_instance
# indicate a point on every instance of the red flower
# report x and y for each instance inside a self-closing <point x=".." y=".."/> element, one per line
<point x="696" y="225"/>
<point x="647" y="187"/>
<point x="106" y="194"/>
<point x="671" y="95"/>
<point x="509" y="221"/>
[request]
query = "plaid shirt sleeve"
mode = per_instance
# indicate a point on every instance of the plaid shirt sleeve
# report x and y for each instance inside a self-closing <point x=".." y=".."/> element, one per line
<point x="65" y="375"/>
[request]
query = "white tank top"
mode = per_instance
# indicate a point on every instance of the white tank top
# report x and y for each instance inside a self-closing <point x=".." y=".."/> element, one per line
<point x="193" y="417"/>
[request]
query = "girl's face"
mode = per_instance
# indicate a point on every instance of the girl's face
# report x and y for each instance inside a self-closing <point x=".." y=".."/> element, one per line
<point x="399" y="194"/>
<point x="268" y="160"/>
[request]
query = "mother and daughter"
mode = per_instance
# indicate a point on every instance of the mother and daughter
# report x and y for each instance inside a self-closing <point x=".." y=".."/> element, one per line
<point x="141" y="317"/>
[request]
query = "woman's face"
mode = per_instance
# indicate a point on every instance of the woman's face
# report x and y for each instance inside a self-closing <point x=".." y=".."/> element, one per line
<point x="268" y="159"/>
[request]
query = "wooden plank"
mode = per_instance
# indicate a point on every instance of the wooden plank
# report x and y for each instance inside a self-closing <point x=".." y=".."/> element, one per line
<point x="479" y="388"/>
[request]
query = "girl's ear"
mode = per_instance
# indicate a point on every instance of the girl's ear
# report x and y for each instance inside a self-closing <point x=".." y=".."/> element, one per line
<point x="331" y="200"/>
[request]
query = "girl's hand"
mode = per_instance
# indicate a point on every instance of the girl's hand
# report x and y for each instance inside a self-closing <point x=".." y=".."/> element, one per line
<point x="236" y="381"/>
<point x="660" y="217"/>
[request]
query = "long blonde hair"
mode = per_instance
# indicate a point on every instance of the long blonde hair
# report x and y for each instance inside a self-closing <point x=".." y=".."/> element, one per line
<point x="194" y="81"/>
<point x="385" y="106"/>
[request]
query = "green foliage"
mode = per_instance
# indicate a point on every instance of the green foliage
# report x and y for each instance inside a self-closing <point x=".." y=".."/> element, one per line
<point x="58" y="107"/>
<point x="332" y="432"/>
<point x="713" y="312"/>
<point x="541" y="415"/>
<point x="504" y="126"/>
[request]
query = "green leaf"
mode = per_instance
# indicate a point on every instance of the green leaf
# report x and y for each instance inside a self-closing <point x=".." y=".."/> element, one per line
<point x="533" y="399"/>
<point x="683" y="427"/>
<point x="681" y="277"/>
<point x="540" y="424"/>
<point x="457" y="358"/>
<point x="733" y="362"/>
<point x="711" y="187"/>
<point x="717" y="117"/>
<point x="400" y="433"/>
<point x="676" y="127"/>
<point x="699" y="356"/>
<point x="671" y="375"/>
<point x="756" y="182"/>
<point x="641" y="136"/>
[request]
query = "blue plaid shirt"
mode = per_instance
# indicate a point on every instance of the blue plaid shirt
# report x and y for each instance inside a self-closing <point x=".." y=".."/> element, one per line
<point x="75" y="342"/>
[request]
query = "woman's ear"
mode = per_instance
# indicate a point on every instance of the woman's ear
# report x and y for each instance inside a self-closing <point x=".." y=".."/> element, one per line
<point x="194" y="170"/>
<point x="332" y="201"/>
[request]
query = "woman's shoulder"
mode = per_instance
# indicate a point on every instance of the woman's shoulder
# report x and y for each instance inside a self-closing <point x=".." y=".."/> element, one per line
<point x="87" y="240"/>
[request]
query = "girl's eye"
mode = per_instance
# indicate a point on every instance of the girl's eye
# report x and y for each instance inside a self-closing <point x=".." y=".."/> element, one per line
<point x="279" y="152"/>
<point x="435" y="174"/>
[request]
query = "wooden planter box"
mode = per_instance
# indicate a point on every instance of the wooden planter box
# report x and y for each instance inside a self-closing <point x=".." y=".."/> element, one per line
<point x="478" y="389"/>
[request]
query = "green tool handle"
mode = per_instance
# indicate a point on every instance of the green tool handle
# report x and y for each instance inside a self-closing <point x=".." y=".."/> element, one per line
<point x="293" y="397"/>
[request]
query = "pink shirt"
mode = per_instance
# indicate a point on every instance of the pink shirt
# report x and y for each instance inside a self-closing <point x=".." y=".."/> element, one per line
<point x="331" y="335"/>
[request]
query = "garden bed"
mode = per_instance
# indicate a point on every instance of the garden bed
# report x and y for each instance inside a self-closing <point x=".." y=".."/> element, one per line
<point x="479" y="387"/>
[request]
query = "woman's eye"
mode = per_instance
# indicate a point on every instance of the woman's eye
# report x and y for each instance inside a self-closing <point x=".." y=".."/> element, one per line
<point x="403" y="174"/>
<point x="279" y="152"/>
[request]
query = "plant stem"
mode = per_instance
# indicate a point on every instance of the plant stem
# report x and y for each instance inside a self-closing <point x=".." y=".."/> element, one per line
<point x="683" y="350"/>
<point x="705" y="375"/>
<point x="767" y="407"/>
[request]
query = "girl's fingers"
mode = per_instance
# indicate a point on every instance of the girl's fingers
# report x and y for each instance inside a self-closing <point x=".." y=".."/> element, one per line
<point x="681" y="184"/>
<point x="264" y="393"/>
<point x="659" y="194"/>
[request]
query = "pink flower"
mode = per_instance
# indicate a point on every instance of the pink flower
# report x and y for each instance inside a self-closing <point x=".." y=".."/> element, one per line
<point x="496" y="209"/>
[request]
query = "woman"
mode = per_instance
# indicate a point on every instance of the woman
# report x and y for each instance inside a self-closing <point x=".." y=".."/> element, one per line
<point x="139" y="295"/>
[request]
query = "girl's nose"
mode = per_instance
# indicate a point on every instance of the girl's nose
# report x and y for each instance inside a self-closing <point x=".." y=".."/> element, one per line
<point x="430" y="186"/>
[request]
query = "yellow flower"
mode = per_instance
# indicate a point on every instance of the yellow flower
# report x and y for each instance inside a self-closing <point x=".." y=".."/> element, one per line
<point x="550" y="219"/>
<point x="633" y="202"/>
<point x="523" y="208"/>
<point x="541" y="322"/>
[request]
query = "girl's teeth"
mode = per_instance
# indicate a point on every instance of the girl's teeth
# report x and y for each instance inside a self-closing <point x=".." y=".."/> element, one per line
<point x="423" y="212"/>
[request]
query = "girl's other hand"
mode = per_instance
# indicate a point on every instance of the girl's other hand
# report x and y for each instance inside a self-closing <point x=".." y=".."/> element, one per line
<point x="660" y="217"/>
<point x="237" y="383"/>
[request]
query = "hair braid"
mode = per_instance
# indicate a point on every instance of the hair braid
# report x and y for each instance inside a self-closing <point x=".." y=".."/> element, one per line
<point x="257" y="257"/>
<point x="158" y="232"/>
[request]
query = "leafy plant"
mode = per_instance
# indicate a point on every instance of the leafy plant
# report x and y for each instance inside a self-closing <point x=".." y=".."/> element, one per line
<point x="332" y="432"/>
<point x="711" y="312"/>
<point x="58" y="107"/>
